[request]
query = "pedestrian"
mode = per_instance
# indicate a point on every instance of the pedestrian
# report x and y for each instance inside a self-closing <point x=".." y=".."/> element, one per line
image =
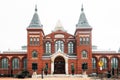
<point x="113" y="71"/>
<point x="34" y="74"/>
<point x="42" y="74"/>
<point x="109" y="74"/>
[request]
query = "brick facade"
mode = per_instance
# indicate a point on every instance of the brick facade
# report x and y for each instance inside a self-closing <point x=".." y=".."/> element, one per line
<point x="38" y="58"/>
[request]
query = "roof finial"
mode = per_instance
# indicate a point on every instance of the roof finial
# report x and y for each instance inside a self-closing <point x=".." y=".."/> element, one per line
<point x="82" y="8"/>
<point x="36" y="8"/>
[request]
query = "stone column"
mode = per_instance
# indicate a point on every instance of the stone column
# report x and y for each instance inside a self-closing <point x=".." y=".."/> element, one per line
<point x="52" y="66"/>
<point x="66" y="66"/>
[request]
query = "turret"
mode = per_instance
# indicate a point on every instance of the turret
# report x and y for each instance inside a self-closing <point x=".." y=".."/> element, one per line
<point x="83" y="37"/>
<point x="35" y="49"/>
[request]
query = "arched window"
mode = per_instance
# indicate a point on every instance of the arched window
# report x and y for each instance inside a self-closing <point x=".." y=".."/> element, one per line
<point x="59" y="45"/>
<point x="15" y="63"/>
<point x="31" y="41"/>
<point x="47" y="48"/>
<point x="93" y="63"/>
<point x="81" y="40"/>
<point x="104" y="60"/>
<point x="87" y="40"/>
<point x="25" y="63"/>
<point x="35" y="41"/>
<point x="4" y="63"/>
<point x="84" y="40"/>
<point x="34" y="54"/>
<point x="38" y="41"/>
<point x="84" y="54"/>
<point x="70" y="47"/>
<point x="114" y="63"/>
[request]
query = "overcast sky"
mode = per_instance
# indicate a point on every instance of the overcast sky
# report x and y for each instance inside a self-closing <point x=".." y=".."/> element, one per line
<point x="102" y="15"/>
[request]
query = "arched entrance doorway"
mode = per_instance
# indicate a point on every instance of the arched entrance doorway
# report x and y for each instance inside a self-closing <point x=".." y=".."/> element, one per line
<point x="59" y="65"/>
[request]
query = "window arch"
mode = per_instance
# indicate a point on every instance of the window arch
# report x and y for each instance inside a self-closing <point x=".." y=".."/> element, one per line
<point x="104" y="60"/>
<point x="59" y="45"/>
<point x="4" y="63"/>
<point x="114" y="63"/>
<point x="47" y="47"/>
<point x="34" y="54"/>
<point x="15" y="63"/>
<point x="94" y="63"/>
<point x="84" y="54"/>
<point x="25" y="63"/>
<point x="70" y="47"/>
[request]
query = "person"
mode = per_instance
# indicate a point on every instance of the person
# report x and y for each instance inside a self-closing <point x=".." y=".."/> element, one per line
<point x="34" y="74"/>
<point x="109" y="74"/>
<point x="72" y="68"/>
<point x="11" y="74"/>
<point x="46" y="69"/>
<point x="113" y="71"/>
<point x="117" y="71"/>
<point x="42" y="74"/>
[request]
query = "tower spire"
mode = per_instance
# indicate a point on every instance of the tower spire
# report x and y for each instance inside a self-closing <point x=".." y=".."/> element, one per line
<point x="35" y="22"/>
<point x="82" y="9"/>
<point x="36" y="8"/>
<point x="82" y="22"/>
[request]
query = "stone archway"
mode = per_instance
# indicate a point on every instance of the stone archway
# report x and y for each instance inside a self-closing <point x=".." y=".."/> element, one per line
<point x="56" y="56"/>
<point x="59" y="65"/>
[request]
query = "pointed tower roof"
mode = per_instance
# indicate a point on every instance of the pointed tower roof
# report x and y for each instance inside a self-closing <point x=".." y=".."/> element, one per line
<point x="82" y="22"/>
<point x="35" y="22"/>
<point x="59" y="26"/>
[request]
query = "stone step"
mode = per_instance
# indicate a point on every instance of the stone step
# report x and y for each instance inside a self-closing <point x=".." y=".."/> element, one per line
<point x="60" y="75"/>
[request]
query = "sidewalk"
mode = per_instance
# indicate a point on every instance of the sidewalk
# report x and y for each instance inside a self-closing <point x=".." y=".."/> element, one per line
<point x="53" y="78"/>
<point x="105" y="78"/>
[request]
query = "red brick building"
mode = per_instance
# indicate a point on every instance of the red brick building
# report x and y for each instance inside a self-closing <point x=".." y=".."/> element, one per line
<point x="59" y="52"/>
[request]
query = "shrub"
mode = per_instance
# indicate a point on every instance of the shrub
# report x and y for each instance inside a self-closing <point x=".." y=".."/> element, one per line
<point x="23" y="74"/>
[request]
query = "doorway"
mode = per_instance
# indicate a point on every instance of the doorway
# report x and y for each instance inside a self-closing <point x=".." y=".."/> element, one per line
<point x="59" y="65"/>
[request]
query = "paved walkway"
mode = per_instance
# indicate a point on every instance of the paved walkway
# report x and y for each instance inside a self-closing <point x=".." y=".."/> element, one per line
<point x="70" y="78"/>
<point x="57" y="78"/>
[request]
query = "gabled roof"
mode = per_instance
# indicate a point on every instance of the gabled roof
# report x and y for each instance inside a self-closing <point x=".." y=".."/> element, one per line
<point x="82" y="22"/>
<point x="35" y="22"/>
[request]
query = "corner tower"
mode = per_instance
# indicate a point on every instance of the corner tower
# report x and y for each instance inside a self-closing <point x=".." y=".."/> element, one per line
<point x="83" y="37"/>
<point x="35" y="51"/>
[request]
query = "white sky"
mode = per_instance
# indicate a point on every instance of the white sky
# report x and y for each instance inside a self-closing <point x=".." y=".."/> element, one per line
<point x="102" y="15"/>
